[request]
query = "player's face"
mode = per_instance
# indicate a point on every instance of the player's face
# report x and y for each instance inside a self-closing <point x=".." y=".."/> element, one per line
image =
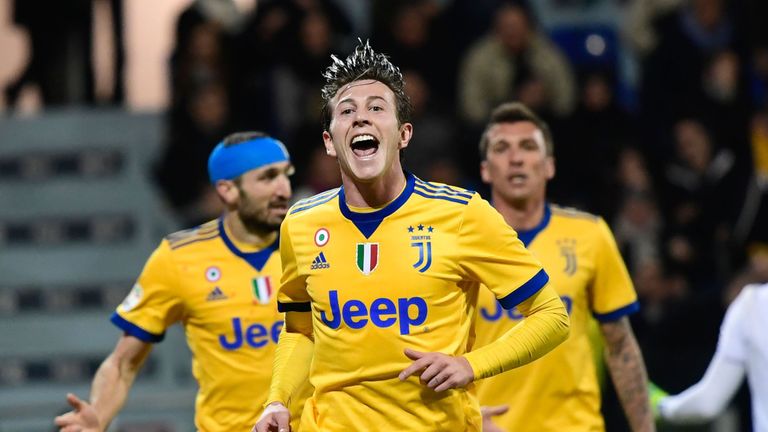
<point x="264" y="194"/>
<point x="364" y="134"/>
<point x="517" y="166"/>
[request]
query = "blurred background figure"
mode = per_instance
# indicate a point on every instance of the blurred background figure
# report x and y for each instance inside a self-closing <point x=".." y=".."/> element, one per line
<point x="741" y="353"/>
<point x="61" y="47"/>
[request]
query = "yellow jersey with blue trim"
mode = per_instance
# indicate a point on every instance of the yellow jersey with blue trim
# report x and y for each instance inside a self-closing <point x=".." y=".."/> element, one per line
<point x="402" y="276"/>
<point x="224" y="294"/>
<point x="560" y="391"/>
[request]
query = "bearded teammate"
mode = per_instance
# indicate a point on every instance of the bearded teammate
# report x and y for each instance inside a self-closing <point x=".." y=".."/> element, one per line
<point x="385" y="320"/>
<point x="219" y="281"/>
<point x="560" y="392"/>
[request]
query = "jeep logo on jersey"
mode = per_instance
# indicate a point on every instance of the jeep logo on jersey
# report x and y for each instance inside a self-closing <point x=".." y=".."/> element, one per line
<point x="367" y="257"/>
<point x="255" y="335"/>
<point x="382" y="313"/>
<point x="513" y="314"/>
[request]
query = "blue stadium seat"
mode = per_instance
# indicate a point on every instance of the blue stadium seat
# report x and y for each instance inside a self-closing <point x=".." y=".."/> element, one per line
<point x="588" y="46"/>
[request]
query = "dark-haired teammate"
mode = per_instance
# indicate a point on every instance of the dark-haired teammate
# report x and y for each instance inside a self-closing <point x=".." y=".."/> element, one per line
<point x="381" y="275"/>
<point x="561" y="391"/>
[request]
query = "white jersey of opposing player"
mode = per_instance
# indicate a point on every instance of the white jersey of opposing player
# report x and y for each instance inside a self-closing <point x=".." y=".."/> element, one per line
<point x="741" y="350"/>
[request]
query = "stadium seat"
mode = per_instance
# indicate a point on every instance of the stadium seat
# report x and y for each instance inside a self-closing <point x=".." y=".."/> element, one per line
<point x="78" y="219"/>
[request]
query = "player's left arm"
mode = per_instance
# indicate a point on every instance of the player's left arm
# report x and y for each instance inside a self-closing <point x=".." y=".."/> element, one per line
<point x="612" y="298"/>
<point x="726" y="371"/>
<point x="545" y="326"/>
<point x="627" y="369"/>
<point x="517" y="279"/>
<point x="295" y="347"/>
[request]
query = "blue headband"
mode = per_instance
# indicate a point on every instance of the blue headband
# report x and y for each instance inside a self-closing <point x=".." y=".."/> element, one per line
<point x="230" y="162"/>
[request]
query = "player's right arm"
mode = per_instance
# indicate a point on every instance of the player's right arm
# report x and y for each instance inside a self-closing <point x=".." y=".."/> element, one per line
<point x="293" y="355"/>
<point x="109" y="390"/>
<point x="725" y="373"/>
<point x="152" y="306"/>
<point x="290" y="369"/>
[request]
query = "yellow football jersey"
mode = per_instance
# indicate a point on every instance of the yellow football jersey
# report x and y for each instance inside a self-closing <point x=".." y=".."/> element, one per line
<point x="402" y="276"/>
<point x="560" y="391"/>
<point x="224" y="294"/>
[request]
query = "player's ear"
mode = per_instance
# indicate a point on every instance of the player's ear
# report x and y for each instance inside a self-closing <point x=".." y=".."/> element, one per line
<point x="484" y="174"/>
<point x="406" y="132"/>
<point x="549" y="168"/>
<point x="328" y="142"/>
<point x="227" y="191"/>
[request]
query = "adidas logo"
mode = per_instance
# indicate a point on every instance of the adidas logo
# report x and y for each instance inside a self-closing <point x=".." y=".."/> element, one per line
<point x="216" y="294"/>
<point x="320" y="262"/>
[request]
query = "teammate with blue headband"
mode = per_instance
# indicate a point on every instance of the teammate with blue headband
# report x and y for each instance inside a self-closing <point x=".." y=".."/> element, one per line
<point x="242" y="152"/>
<point x="250" y="172"/>
<point x="223" y="275"/>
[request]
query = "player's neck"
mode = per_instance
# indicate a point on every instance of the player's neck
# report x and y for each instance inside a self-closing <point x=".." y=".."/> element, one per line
<point x="521" y="215"/>
<point x="373" y="194"/>
<point x="240" y="234"/>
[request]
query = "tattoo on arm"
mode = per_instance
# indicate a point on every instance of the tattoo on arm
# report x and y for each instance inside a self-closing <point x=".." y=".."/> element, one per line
<point x="625" y="363"/>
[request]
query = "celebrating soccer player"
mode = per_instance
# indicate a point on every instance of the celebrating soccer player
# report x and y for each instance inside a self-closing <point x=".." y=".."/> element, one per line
<point x="381" y="276"/>
<point x="560" y="391"/>
<point x="219" y="280"/>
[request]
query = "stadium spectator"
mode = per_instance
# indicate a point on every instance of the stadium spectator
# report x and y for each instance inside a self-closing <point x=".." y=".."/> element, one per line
<point x="701" y="193"/>
<point x="180" y="172"/>
<point x="436" y="141"/>
<point x="597" y="132"/>
<point x="61" y="51"/>
<point x="515" y="61"/>
<point x="706" y="43"/>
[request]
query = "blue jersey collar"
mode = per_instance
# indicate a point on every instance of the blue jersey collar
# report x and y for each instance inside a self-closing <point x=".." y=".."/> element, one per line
<point x="256" y="259"/>
<point x="527" y="236"/>
<point x="368" y="222"/>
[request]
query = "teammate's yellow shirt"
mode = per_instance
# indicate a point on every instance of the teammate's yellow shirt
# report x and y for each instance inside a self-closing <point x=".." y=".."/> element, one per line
<point x="403" y="276"/>
<point x="560" y="391"/>
<point x="224" y="294"/>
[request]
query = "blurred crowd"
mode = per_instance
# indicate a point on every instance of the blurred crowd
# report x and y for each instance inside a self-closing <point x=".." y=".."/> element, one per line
<point x="675" y="160"/>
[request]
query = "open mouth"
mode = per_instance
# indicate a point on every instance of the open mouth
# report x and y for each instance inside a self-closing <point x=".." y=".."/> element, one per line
<point x="364" y="145"/>
<point x="517" y="178"/>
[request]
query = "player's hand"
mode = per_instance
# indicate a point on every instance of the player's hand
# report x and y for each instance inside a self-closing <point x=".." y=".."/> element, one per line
<point x="656" y="394"/>
<point x="82" y="418"/>
<point x="438" y="371"/>
<point x="275" y="418"/>
<point x="488" y="413"/>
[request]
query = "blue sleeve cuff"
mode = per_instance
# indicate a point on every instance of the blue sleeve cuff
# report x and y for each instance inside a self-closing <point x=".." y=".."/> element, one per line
<point x="134" y="330"/>
<point x="618" y="313"/>
<point x="525" y="291"/>
<point x="294" y="307"/>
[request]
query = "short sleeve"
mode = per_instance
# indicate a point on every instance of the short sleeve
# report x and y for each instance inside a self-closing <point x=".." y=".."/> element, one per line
<point x="612" y="294"/>
<point x="293" y="296"/>
<point x="153" y="304"/>
<point x="733" y="341"/>
<point x="491" y="253"/>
